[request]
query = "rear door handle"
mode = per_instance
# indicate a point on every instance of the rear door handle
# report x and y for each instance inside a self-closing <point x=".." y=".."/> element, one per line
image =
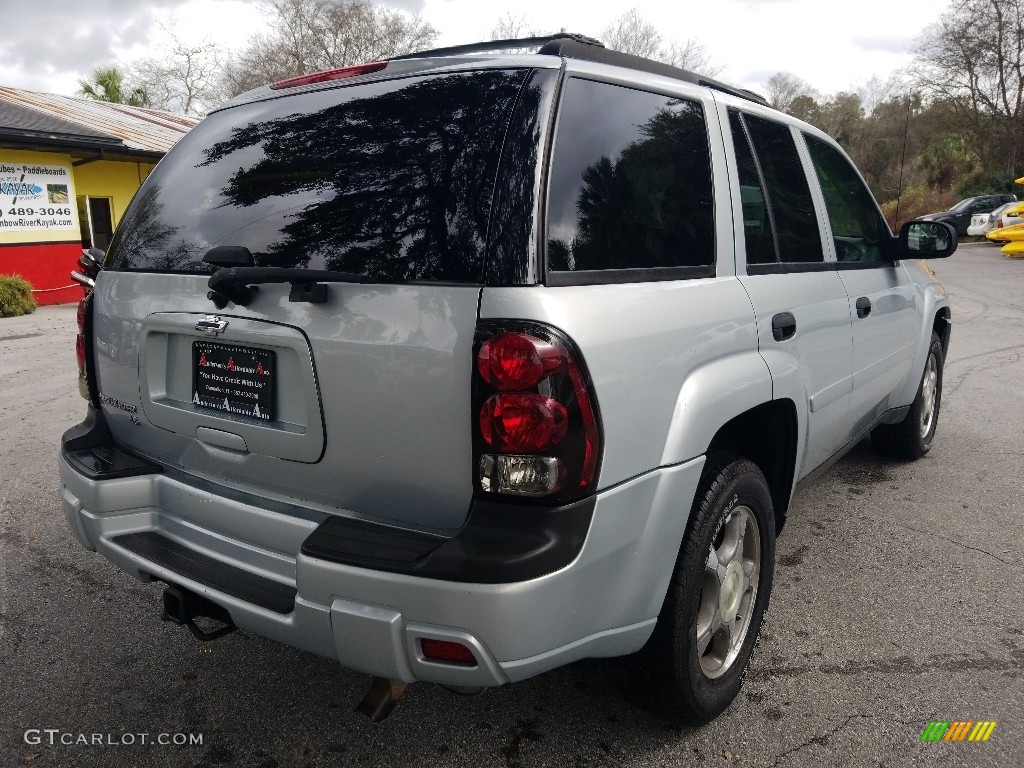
<point x="783" y="326"/>
<point x="863" y="307"/>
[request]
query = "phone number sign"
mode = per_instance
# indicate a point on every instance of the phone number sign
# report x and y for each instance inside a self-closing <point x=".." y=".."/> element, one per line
<point x="36" y="198"/>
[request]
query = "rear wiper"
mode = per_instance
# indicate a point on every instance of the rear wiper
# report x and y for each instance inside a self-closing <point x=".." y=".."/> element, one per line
<point x="239" y="284"/>
<point x="237" y="278"/>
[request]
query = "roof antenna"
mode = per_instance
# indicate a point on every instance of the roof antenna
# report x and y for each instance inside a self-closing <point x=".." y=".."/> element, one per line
<point x="903" y="158"/>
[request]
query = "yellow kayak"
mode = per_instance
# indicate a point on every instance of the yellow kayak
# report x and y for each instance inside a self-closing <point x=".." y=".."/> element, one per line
<point x="1013" y="237"/>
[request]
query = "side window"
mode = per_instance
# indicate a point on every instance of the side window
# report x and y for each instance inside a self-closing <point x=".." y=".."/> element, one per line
<point x="758" y="227"/>
<point x="630" y="182"/>
<point x="858" y="229"/>
<point x="768" y="150"/>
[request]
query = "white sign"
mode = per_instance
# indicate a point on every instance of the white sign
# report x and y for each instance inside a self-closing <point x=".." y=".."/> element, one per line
<point x="37" y="198"/>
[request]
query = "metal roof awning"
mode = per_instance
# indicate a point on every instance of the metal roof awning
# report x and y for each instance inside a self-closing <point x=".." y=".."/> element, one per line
<point x="99" y="129"/>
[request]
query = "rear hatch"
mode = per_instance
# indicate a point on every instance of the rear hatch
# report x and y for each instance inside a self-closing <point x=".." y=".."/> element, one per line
<point x="355" y="400"/>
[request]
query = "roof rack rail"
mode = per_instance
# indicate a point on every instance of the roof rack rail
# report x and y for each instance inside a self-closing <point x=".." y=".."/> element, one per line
<point x="502" y="45"/>
<point x="742" y="93"/>
<point x="571" y="50"/>
<point x="575" y="46"/>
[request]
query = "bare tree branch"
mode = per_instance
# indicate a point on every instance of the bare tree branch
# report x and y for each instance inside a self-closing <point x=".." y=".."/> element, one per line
<point x="632" y="33"/>
<point x="313" y="35"/>
<point x="783" y="88"/>
<point x="973" y="57"/>
<point x="510" y="27"/>
<point x="184" y="77"/>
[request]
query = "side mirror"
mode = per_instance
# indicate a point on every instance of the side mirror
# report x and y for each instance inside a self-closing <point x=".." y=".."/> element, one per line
<point x="926" y="240"/>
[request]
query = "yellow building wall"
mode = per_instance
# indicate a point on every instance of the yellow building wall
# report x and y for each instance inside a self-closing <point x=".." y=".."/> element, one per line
<point x="116" y="180"/>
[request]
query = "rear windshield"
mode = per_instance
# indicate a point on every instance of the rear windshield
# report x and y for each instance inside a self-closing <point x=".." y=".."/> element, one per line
<point x="392" y="180"/>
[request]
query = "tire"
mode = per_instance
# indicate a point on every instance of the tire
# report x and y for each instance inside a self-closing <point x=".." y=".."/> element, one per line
<point x="693" y="665"/>
<point x="912" y="438"/>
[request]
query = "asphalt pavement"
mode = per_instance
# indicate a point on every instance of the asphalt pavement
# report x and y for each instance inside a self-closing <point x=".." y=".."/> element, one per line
<point x="897" y="602"/>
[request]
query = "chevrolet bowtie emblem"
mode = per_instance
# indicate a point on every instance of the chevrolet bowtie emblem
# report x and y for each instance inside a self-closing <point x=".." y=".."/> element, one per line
<point x="211" y="325"/>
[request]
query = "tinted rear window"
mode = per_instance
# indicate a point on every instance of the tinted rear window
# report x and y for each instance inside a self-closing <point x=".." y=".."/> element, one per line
<point x="630" y="182"/>
<point x="392" y="180"/>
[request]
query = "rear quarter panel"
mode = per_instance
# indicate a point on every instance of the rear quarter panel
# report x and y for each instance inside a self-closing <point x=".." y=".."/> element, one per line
<point x="670" y="361"/>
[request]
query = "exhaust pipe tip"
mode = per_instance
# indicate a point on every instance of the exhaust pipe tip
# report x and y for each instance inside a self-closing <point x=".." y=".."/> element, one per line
<point x="381" y="698"/>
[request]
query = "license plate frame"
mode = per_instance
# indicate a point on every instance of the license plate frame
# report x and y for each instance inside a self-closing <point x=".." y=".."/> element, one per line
<point x="234" y="379"/>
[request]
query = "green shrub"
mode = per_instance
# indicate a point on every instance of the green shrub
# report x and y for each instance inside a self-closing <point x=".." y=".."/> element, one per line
<point x="987" y="184"/>
<point x="15" y="296"/>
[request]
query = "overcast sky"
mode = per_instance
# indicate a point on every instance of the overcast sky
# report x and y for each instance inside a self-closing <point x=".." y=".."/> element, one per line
<point x="49" y="44"/>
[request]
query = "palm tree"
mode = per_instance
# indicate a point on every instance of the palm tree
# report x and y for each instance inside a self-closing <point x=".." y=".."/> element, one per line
<point x="107" y="84"/>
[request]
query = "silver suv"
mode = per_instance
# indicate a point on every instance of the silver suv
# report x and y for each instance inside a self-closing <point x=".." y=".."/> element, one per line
<point x="463" y="366"/>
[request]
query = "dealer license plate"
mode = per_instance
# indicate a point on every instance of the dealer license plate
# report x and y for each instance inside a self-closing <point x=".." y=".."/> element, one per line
<point x="238" y="380"/>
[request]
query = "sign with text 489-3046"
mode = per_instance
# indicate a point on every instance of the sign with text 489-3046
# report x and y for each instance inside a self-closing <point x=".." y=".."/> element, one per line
<point x="37" y="198"/>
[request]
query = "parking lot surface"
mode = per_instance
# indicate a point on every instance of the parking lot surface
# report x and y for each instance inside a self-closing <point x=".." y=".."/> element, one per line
<point x="897" y="602"/>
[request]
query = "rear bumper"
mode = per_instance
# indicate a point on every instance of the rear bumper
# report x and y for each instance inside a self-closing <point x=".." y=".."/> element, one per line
<point x="603" y="603"/>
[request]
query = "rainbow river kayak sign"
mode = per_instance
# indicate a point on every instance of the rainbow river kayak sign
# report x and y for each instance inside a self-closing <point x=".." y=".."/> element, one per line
<point x="36" y="198"/>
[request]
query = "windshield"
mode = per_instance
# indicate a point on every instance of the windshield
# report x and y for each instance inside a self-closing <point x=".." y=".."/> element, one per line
<point x="392" y="180"/>
<point x="963" y="205"/>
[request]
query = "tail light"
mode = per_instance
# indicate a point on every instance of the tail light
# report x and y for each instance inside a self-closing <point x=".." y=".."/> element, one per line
<point x="82" y="344"/>
<point x="90" y="263"/>
<point x="537" y="431"/>
<point x="527" y="421"/>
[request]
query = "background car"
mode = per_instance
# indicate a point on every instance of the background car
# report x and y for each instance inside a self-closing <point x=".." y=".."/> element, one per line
<point x="981" y="223"/>
<point x="959" y="216"/>
<point x="1009" y="216"/>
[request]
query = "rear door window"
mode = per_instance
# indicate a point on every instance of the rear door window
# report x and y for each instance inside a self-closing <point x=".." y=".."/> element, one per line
<point x="758" y="226"/>
<point x="779" y="221"/>
<point x="392" y="180"/>
<point x="630" y="192"/>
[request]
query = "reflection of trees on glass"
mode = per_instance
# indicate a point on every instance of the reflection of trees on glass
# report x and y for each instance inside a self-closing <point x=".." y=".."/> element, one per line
<point x="649" y="207"/>
<point x="395" y="185"/>
<point x="512" y="219"/>
<point x="785" y="190"/>
<point x="143" y="233"/>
